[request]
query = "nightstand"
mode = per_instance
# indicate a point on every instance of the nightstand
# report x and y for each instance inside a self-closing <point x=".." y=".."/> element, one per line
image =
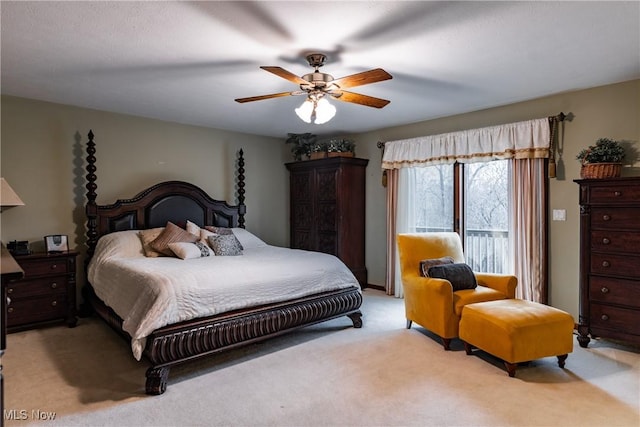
<point x="46" y="293"/>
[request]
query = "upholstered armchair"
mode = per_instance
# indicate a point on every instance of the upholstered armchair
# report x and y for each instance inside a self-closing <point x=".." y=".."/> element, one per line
<point x="431" y="302"/>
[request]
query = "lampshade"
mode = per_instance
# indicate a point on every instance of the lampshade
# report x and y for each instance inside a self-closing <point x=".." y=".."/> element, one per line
<point x="316" y="108"/>
<point x="8" y="197"/>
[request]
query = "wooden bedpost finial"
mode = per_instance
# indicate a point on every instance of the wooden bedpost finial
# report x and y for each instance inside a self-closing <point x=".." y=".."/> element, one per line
<point x="241" y="206"/>
<point x="91" y="207"/>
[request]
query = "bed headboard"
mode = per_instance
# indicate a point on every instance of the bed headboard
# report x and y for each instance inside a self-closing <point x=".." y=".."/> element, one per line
<point x="174" y="201"/>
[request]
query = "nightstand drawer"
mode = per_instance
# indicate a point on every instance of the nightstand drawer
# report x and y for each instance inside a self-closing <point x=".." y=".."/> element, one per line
<point x="35" y="287"/>
<point x="36" y="309"/>
<point x="43" y="266"/>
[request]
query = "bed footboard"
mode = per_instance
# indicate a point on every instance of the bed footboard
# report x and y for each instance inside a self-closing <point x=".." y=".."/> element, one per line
<point x="182" y="342"/>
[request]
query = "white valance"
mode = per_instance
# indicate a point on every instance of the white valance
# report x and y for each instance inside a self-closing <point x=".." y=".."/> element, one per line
<point x="527" y="139"/>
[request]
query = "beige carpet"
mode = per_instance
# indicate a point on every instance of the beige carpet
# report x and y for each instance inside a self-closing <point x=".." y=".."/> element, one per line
<point x="326" y="375"/>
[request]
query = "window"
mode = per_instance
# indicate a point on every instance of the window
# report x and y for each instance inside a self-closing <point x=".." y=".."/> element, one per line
<point x="473" y="200"/>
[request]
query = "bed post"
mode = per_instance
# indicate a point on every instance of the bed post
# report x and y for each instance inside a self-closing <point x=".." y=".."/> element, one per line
<point x="91" y="207"/>
<point x="242" y="209"/>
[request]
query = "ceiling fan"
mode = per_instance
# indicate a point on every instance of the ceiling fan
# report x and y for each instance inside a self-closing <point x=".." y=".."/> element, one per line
<point x="318" y="86"/>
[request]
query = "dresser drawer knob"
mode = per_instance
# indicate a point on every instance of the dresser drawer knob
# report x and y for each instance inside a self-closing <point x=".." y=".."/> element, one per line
<point x="54" y="266"/>
<point x="604" y="317"/>
<point x="617" y="193"/>
<point x="606" y="241"/>
<point x="604" y="290"/>
<point x="54" y="303"/>
<point x="9" y="290"/>
<point x="606" y="264"/>
<point x="10" y="310"/>
<point x="54" y="285"/>
<point x="606" y="217"/>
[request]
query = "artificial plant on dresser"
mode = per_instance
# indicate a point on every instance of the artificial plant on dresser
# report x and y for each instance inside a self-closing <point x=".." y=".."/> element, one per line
<point x="327" y="209"/>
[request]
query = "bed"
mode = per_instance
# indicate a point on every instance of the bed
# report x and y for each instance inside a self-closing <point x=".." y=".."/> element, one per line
<point x="175" y="335"/>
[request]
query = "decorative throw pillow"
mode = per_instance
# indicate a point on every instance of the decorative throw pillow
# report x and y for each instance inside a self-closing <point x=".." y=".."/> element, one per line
<point x="218" y="230"/>
<point x="148" y="236"/>
<point x="185" y="250"/>
<point x="193" y="228"/>
<point x="223" y="231"/>
<point x="459" y="274"/>
<point x="171" y="234"/>
<point x="225" y="244"/>
<point x="426" y="264"/>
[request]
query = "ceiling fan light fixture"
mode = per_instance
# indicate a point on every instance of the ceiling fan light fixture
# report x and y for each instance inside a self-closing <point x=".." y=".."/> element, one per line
<point x="305" y="110"/>
<point x="316" y="109"/>
<point x="324" y="111"/>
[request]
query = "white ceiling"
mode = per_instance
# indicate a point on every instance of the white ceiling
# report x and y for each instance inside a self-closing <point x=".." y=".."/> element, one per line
<point x="187" y="61"/>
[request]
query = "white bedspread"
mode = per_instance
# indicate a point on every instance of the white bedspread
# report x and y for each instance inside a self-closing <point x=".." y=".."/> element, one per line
<point x="149" y="293"/>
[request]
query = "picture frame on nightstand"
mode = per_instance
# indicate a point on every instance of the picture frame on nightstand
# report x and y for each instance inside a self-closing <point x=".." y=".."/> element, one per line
<point x="56" y="243"/>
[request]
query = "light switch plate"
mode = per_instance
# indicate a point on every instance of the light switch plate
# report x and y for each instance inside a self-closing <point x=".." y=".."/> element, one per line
<point x="559" y="215"/>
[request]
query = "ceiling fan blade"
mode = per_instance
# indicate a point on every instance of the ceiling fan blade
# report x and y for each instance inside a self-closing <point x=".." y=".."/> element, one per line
<point x="261" y="97"/>
<point x="358" y="98"/>
<point x="364" y="78"/>
<point x="281" y="72"/>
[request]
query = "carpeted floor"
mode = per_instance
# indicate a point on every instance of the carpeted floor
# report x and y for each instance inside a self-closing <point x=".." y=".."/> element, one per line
<point x="325" y="375"/>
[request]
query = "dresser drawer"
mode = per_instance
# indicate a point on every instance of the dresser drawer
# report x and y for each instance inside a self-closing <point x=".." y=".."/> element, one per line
<point x="615" y="218"/>
<point x="615" y="241"/>
<point x="614" y="193"/>
<point x="615" y="265"/>
<point x="615" y="291"/>
<point x="616" y="318"/>
<point x="44" y="266"/>
<point x="34" y="287"/>
<point x="21" y="311"/>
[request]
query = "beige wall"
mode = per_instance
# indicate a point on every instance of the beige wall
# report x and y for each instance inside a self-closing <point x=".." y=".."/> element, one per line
<point x="609" y="111"/>
<point x="42" y="158"/>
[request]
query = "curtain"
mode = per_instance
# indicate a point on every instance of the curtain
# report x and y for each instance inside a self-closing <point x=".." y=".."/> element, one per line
<point x="526" y="142"/>
<point x="520" y="140"/>
<point x="392" y="204"/>
<point x="527" y="231"/>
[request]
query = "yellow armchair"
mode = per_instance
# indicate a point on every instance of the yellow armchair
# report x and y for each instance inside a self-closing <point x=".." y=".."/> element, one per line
<point x="431" y="302"/>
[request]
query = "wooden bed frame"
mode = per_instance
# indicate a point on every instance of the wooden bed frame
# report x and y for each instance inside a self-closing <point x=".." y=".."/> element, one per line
<point x="177" y="201"/>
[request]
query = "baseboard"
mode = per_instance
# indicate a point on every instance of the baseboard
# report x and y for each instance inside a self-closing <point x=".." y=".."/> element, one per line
<point x="376" y="287"/>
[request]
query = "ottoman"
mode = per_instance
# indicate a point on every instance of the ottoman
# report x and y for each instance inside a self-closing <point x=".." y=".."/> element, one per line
<point x="517" y="331"/>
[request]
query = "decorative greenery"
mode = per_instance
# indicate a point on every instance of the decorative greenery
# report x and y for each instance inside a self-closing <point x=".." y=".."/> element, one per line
<point x="302" y="144"/>
<point x="339" y="145"/>
<point x="605" y="150"/>
<point x="319" y="146"/>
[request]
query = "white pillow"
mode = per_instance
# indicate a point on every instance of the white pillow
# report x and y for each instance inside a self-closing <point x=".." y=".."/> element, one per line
<point x="248" y="240"/>
<point x="186" y="250"/>
<point x="193" y="228"/>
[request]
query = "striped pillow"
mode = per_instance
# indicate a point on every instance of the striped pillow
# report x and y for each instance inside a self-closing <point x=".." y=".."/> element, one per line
<point x="171" y="234"/>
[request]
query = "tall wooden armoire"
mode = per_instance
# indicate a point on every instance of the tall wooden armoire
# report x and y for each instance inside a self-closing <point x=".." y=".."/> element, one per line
<point x="327" y="209"/>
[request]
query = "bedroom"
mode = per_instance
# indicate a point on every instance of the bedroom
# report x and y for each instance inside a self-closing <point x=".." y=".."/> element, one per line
<point x="44" y="142"/>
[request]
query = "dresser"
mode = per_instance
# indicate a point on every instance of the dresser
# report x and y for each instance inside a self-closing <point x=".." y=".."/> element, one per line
<point x="609" y="259"/>
<point x="46" y="293"/>
<point x="327" y="209"/>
